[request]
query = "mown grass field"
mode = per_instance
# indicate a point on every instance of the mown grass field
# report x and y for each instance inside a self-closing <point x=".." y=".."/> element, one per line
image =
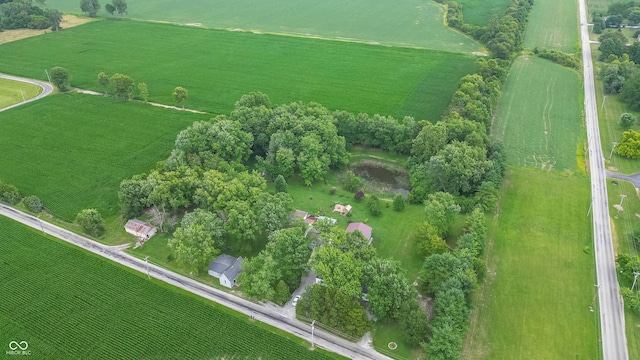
<point x="535" y="301"/>
<point x="405" y="23"/>
<point x="218" y="67"/>
<point x="73" y="150"/>
<point x="88" y="308"/>
<point x="11" y="92"/>
<point x="610" y="107"/>
<point x="539" y="116"/>
<point x="480" y="12"/>
<point x="553" y="24"/>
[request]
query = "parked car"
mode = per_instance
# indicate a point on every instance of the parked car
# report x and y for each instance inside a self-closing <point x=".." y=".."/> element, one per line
<point x="294" y="302"/>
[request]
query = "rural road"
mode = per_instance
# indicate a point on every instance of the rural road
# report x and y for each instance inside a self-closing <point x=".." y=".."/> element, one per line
<point x="613" y="336"/>
<point x="46" y="89"/>
<point x="261" y="313"/>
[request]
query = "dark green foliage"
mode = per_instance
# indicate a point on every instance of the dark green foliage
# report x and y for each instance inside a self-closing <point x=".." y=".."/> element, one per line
<point x="627" y="120"/>
<point x="428" y="240"/>
<point x="60" y="78"/>
<point x="373" y="204"/>
<point x="615" y="75"/>
<point x="91" y="222"/>
<point x="398" y="202"/>
<point x="334" y="309"/>
<point x="598" y="24"/>
<point x="631" y="92"/>
<point x="110" y="9"/>
<point x="90" y="7"/>
<point x="281" y="184"/>
<point x="450" y="324"/>
<point x="634" y="237"/>
<point x="631" y="299"/>
<point x="22" y="14"/>
<point x="359" y="195"/>
<point x="282" y="294"/>
<point x="440" y="210"/>
<point x="123" y="86"/>
<point x="389" y="289"/>
<point x="120" y="6"/>
<point x="350" y="182"/>
<point x="413" y="322"/>
<point x="33" y="203"/>
<point x="561" y="58"/>
<point x="9" y="194"/>
<point x="198" y="240"/>
<point x="612" y="43"/>
<point x="133" y="196"/>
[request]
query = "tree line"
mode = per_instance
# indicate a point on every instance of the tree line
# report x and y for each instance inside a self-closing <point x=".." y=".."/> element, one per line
<point x="24" y="14"/>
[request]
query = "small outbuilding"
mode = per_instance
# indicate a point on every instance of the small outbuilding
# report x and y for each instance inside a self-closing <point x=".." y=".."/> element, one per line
<point x="363" y="228"/>
<point x="140" y="229"/>
<point x="226" y="268"/>
<point x="342" y="209"/>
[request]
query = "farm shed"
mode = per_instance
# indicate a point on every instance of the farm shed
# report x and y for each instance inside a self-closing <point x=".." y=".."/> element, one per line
<point x="226" y="268"/>
<point x="140" y="229"/>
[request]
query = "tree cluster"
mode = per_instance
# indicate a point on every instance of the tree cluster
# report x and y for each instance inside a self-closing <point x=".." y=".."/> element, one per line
<point x="91" y="222"/>
<point x="291" y="138"/>
<point x="627" y="266"/>
<point x="9" y="194"/>
<point x="618" y="15"/>
<point x="614" y="75"/>
<point x="564" y="59"/>
<point x="451" y="277"/>
<point x="277" y="270"/>
<point x="629" y="146"/>
<point x="454" y="155"/>
<point x="23" y="14"/>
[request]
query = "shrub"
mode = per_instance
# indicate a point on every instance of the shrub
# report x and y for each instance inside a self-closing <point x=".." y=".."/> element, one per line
<point x="627" y="120"/>
<point x="9" y="194"/>
<point x="350" y="182"/>
<point x="359" y="195"/>
<point x="332" y="191"/>
<point x="398" y="202"/>
<point x="60" y="78"/>
<point x="374" y="205"/>
<point x="91" y="222"/>
<point x="281" y="184"/>
<point x="33" y="203"/>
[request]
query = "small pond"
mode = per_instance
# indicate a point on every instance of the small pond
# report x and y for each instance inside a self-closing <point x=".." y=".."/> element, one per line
<point x="384" y="177"/>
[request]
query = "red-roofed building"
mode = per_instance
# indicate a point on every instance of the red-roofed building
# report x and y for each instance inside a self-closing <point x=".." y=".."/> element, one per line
<point x="363" y="228"/>
<point x="140" y="229"/>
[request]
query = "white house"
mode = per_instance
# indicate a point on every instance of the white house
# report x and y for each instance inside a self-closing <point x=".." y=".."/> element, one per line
<point x="226" y="268"/>
<point x="140" y="229"/>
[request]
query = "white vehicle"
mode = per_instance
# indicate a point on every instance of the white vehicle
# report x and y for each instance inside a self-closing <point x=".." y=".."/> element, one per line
<point x="294" y="302"/>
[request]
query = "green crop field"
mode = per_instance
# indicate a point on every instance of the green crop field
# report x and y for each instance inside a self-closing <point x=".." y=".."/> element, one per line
<point x="535" y="301"/>
<point x="390" y="22"/>
<point x="218" y="67"/>
<point x="12" y="92"/>
<point x="73" y="150"/>
<point x="539" y="116"/>
<point x="88" y="308"/>
<point x="553" y="24"/>
<point x="480" y="12"/>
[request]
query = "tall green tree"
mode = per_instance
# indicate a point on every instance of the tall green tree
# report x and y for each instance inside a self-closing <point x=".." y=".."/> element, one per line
<point x="104" y="81"/>
<point x="143" y="90"/>
<point x="90" y="7"/>
<point x="120" y="6"/>
<point x="60" y="78"/>
<point x="180" y="95"/>
<point x="122" y="85"/>
<point x="441" y="209"/>
<point x="338" y="269"/>
<point x="193" y="247"/>
<point x="91" y="222"/>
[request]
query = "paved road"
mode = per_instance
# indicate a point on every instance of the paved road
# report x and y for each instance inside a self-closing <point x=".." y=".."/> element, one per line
<point x="633" y="178"/>
<point x="614" y="340"/>
<point x="261" y="313"/>
<point x="46" y="89"/>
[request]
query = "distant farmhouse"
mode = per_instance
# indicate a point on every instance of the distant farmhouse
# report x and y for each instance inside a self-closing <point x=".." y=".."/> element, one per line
<point x="140" y="229"/>
<point x="363" y="228"/>
<point x="226" y="268"/>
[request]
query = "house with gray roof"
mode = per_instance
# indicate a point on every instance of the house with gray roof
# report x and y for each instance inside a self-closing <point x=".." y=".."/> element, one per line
<point x="226" y="268"/>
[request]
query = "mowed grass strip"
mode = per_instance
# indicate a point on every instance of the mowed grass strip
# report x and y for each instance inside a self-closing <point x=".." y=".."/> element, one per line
<point x="480" y="12"/>
<point x="553" y="24"/>
<point x="13" y="92"/>
<point x="86" y="307"/>
<point x="539" y="116"/>
<point x="535" y="301"/>
<point x="73" y="150"/>
<point x="406" y="23"/>
<point x="218" y="67"/>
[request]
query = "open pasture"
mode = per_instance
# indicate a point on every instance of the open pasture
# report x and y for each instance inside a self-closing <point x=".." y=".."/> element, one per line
<point x="218" y="67"/>
<point x="535" y="301"/>
<point x="73" y="150"/>
<point x="553" y="24"/>
<point x="539" y="116"/>
<point x="88" y="308"/>
<point x="480" y="12"/>
<point x="390" y="22"/>
<point x="13" y="92"/>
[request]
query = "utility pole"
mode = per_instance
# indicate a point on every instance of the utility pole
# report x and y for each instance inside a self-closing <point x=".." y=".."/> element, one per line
<point x="635" y="277"/>
<point x="312" y="328"/>
<point x="622" y="196"/>
<point x="22" y="92"/>
<point x="48" y="77"/>
<point x="611" y="153"/>
<point x="41" y="227"/>
<point x="146" y="260"/>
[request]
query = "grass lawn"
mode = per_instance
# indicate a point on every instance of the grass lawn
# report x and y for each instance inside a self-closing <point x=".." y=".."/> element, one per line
<point x="73" y="150"/>
<point x="480" y="12"/>
<point x="535" y="301"/>
<point x="218" y="67"/>
<point x="539" y="116"/>
<point x="12" y="92"/>
<point x="88" y="308"/>
<point x="406" y="23"/>
<point x="553" y="24"/>
<point x="385" y="333"/>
